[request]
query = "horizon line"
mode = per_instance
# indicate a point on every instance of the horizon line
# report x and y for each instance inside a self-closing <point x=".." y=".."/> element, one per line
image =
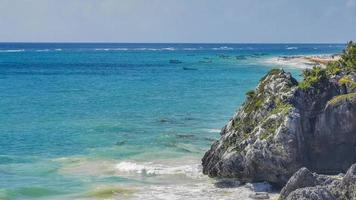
<point x="91" y="42"/>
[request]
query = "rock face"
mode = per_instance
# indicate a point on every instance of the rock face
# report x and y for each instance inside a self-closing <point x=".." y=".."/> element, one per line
<point x="282" y="127"/>
<point x="304" y="185"/>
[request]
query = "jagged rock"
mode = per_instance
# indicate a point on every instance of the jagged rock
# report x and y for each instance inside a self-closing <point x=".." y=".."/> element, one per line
<point x="306" y="185"/>
<point x="349" y="183"/>
<point x="282" y="127"/>
<point x="302" y="178"/>
<point x="311" y="194"/>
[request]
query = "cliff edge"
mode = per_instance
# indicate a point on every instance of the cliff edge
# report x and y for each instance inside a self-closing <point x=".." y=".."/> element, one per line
<point x="284" y="125"/>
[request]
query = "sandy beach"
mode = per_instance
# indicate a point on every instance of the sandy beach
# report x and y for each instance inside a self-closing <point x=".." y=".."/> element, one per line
<point x="302" y="61"/>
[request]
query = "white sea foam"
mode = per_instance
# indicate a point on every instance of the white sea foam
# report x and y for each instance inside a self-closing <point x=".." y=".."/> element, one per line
<point x="224" y="48"/>
<point x="190" y="49"/>
<point x="111" y="49"/>
<point x="12" y="50"/>
<point x="188" y="181"/>
<point x="136" y="49"/>
<point x="292" y="48"/>
<point x="294" y="62"/>
<point x="140" y="49"/>
<point x="130" y="167"/>
<point x="180" y="178"/>
<point x="213" y="130"/>
<point x="120" y="49"/>
<point x="100" y="49"/>
<point x="153" y="49"/>
<point x="150" y="168"/>
<point x="58" y="49"/>
<point x="169" y="49"/>
<point x="42" y="50"/>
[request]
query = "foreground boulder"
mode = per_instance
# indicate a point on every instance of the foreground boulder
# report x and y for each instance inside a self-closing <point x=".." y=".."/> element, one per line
<point x="285" y="125"/>
<point x="304" y="185"/>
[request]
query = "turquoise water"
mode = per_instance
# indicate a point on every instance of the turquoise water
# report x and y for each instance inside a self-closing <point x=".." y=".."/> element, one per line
<point x="120" y="121"/>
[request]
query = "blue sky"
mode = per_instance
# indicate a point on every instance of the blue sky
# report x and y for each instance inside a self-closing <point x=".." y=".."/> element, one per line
<point x="178" y="20"/>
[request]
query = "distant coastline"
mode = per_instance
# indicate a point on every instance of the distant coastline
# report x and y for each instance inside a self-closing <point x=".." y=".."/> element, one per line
<point x="302" y="61"/>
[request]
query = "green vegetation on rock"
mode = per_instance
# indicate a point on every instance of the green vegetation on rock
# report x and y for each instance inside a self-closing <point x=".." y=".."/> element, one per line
<point x="346" y="64"/>
<point x="250" y="94"/>
<point x="348" y="58"/>
<point x="343" y="97"/>
<point x="345" y="80"/>
<point x="264" y="100"/>
<point x="281" y="107"/>
<point x="270" y="125"/>
<point x="312" y="76"/>
<point x="273" y="71"/>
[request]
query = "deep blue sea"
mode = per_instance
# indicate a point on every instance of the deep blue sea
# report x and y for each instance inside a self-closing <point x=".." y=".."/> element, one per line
<point x="124" y="121"/>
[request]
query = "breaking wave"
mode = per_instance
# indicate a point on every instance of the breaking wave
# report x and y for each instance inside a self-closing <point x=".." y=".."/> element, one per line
<point x="224" y="48"/>
<point x="11" y="50"/>
<point x="292" y="48"/>
<point x="149" y="168"/>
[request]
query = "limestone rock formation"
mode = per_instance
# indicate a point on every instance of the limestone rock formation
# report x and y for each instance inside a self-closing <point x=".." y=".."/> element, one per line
<point x="304" y="185"/>
<point x="285" y="125"/>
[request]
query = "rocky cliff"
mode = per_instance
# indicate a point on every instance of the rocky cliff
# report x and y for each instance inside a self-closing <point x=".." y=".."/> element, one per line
<point x="307" y="185"/>
<point x="285" y="125"/>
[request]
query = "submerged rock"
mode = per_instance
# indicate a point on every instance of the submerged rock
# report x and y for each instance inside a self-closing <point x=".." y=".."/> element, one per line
<point x="282" y="127"/>
<point x="175" y="61"/>
<point x="189" y="68"/>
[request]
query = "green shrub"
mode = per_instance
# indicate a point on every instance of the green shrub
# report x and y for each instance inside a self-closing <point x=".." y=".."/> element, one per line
<point x="333" y="68"/>
<point x="317" y="74"/>
<point x="335" y="100"/>
<point x="345" y="80"/>
<point x="348" y="58"/>
<point x="312" y="77"/>
<point x="271" y="72"/>
<point x="250" y="94"/>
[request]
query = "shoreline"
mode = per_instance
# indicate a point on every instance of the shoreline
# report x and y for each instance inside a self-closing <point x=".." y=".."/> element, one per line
<point x="302" y="61"/>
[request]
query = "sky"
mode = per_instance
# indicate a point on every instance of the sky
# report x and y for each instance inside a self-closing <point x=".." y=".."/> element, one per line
<point x="181" y="21"/>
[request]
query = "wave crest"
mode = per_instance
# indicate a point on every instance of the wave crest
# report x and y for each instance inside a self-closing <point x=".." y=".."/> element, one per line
<point x="224" y="48"/>
<point x="158" y="169"/>
<point x="11" y="50"/>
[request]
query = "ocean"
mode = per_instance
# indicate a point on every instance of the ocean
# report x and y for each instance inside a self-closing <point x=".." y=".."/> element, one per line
<point x="124" y="121"/>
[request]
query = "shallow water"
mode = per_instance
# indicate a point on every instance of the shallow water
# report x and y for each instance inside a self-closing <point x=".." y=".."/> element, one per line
<point x="123" y="121"/>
